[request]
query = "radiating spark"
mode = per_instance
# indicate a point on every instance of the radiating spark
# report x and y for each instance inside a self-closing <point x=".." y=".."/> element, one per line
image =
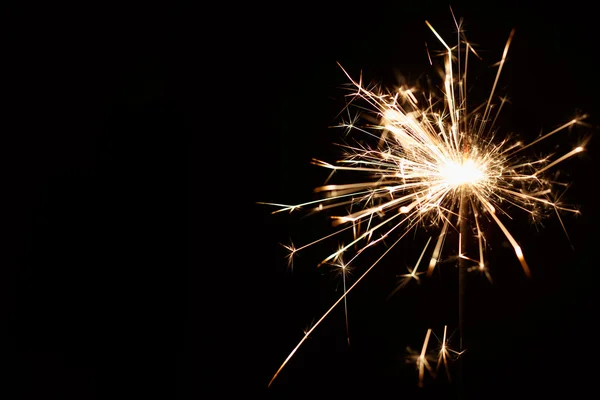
<point x="446" y="354"/>
<point x="413" y="274"/>
<point x="426" y="359"/>
<point x="443" y="355"/>
<point x="418" y="154"/>
<point x="346" y="305"/>
<point x="344" y="270"/>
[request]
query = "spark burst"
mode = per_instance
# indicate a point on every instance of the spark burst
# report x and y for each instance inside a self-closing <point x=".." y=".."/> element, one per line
<point x="426" y="158"/>
<point x="423" y="359"/>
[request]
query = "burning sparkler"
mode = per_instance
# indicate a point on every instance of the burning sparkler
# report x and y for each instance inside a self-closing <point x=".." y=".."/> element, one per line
<point x="433" y="161"/>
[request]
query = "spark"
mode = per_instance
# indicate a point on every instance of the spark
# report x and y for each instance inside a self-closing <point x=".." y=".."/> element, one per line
<point x="446" y="353"/>
<point x="419" y="156"/>
<point x="344" y="270"/>
<point x="422" y="361"/>
<point x="413" y="274"/>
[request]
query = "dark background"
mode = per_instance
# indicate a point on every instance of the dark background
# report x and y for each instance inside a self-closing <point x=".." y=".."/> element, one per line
<point x="98" y="299"/>
<point x="93" y="267"/>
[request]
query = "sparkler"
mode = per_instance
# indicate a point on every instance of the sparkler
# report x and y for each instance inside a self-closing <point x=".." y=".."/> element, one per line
<point x="427" y="159"/>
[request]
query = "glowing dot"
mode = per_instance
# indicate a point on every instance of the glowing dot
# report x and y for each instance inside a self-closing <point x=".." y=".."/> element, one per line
<point x="404" y="209"/>
<point x="519" y="252"/>
<point x="460" y="174"/>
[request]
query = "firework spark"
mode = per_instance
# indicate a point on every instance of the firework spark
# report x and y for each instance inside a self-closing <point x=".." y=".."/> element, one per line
<point x="424" y="359"/>
<point x="425" y="158"/>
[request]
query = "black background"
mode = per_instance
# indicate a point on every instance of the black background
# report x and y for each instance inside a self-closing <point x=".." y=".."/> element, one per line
<point x="93" y="288"/>
<point x="98" y="300"/>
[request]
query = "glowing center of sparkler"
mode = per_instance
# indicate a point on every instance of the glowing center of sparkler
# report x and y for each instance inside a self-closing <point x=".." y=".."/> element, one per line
<point x="467" y="173"/>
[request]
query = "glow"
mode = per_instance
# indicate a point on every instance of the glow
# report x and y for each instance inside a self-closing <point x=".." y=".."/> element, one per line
<point x="467" y="173"/>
